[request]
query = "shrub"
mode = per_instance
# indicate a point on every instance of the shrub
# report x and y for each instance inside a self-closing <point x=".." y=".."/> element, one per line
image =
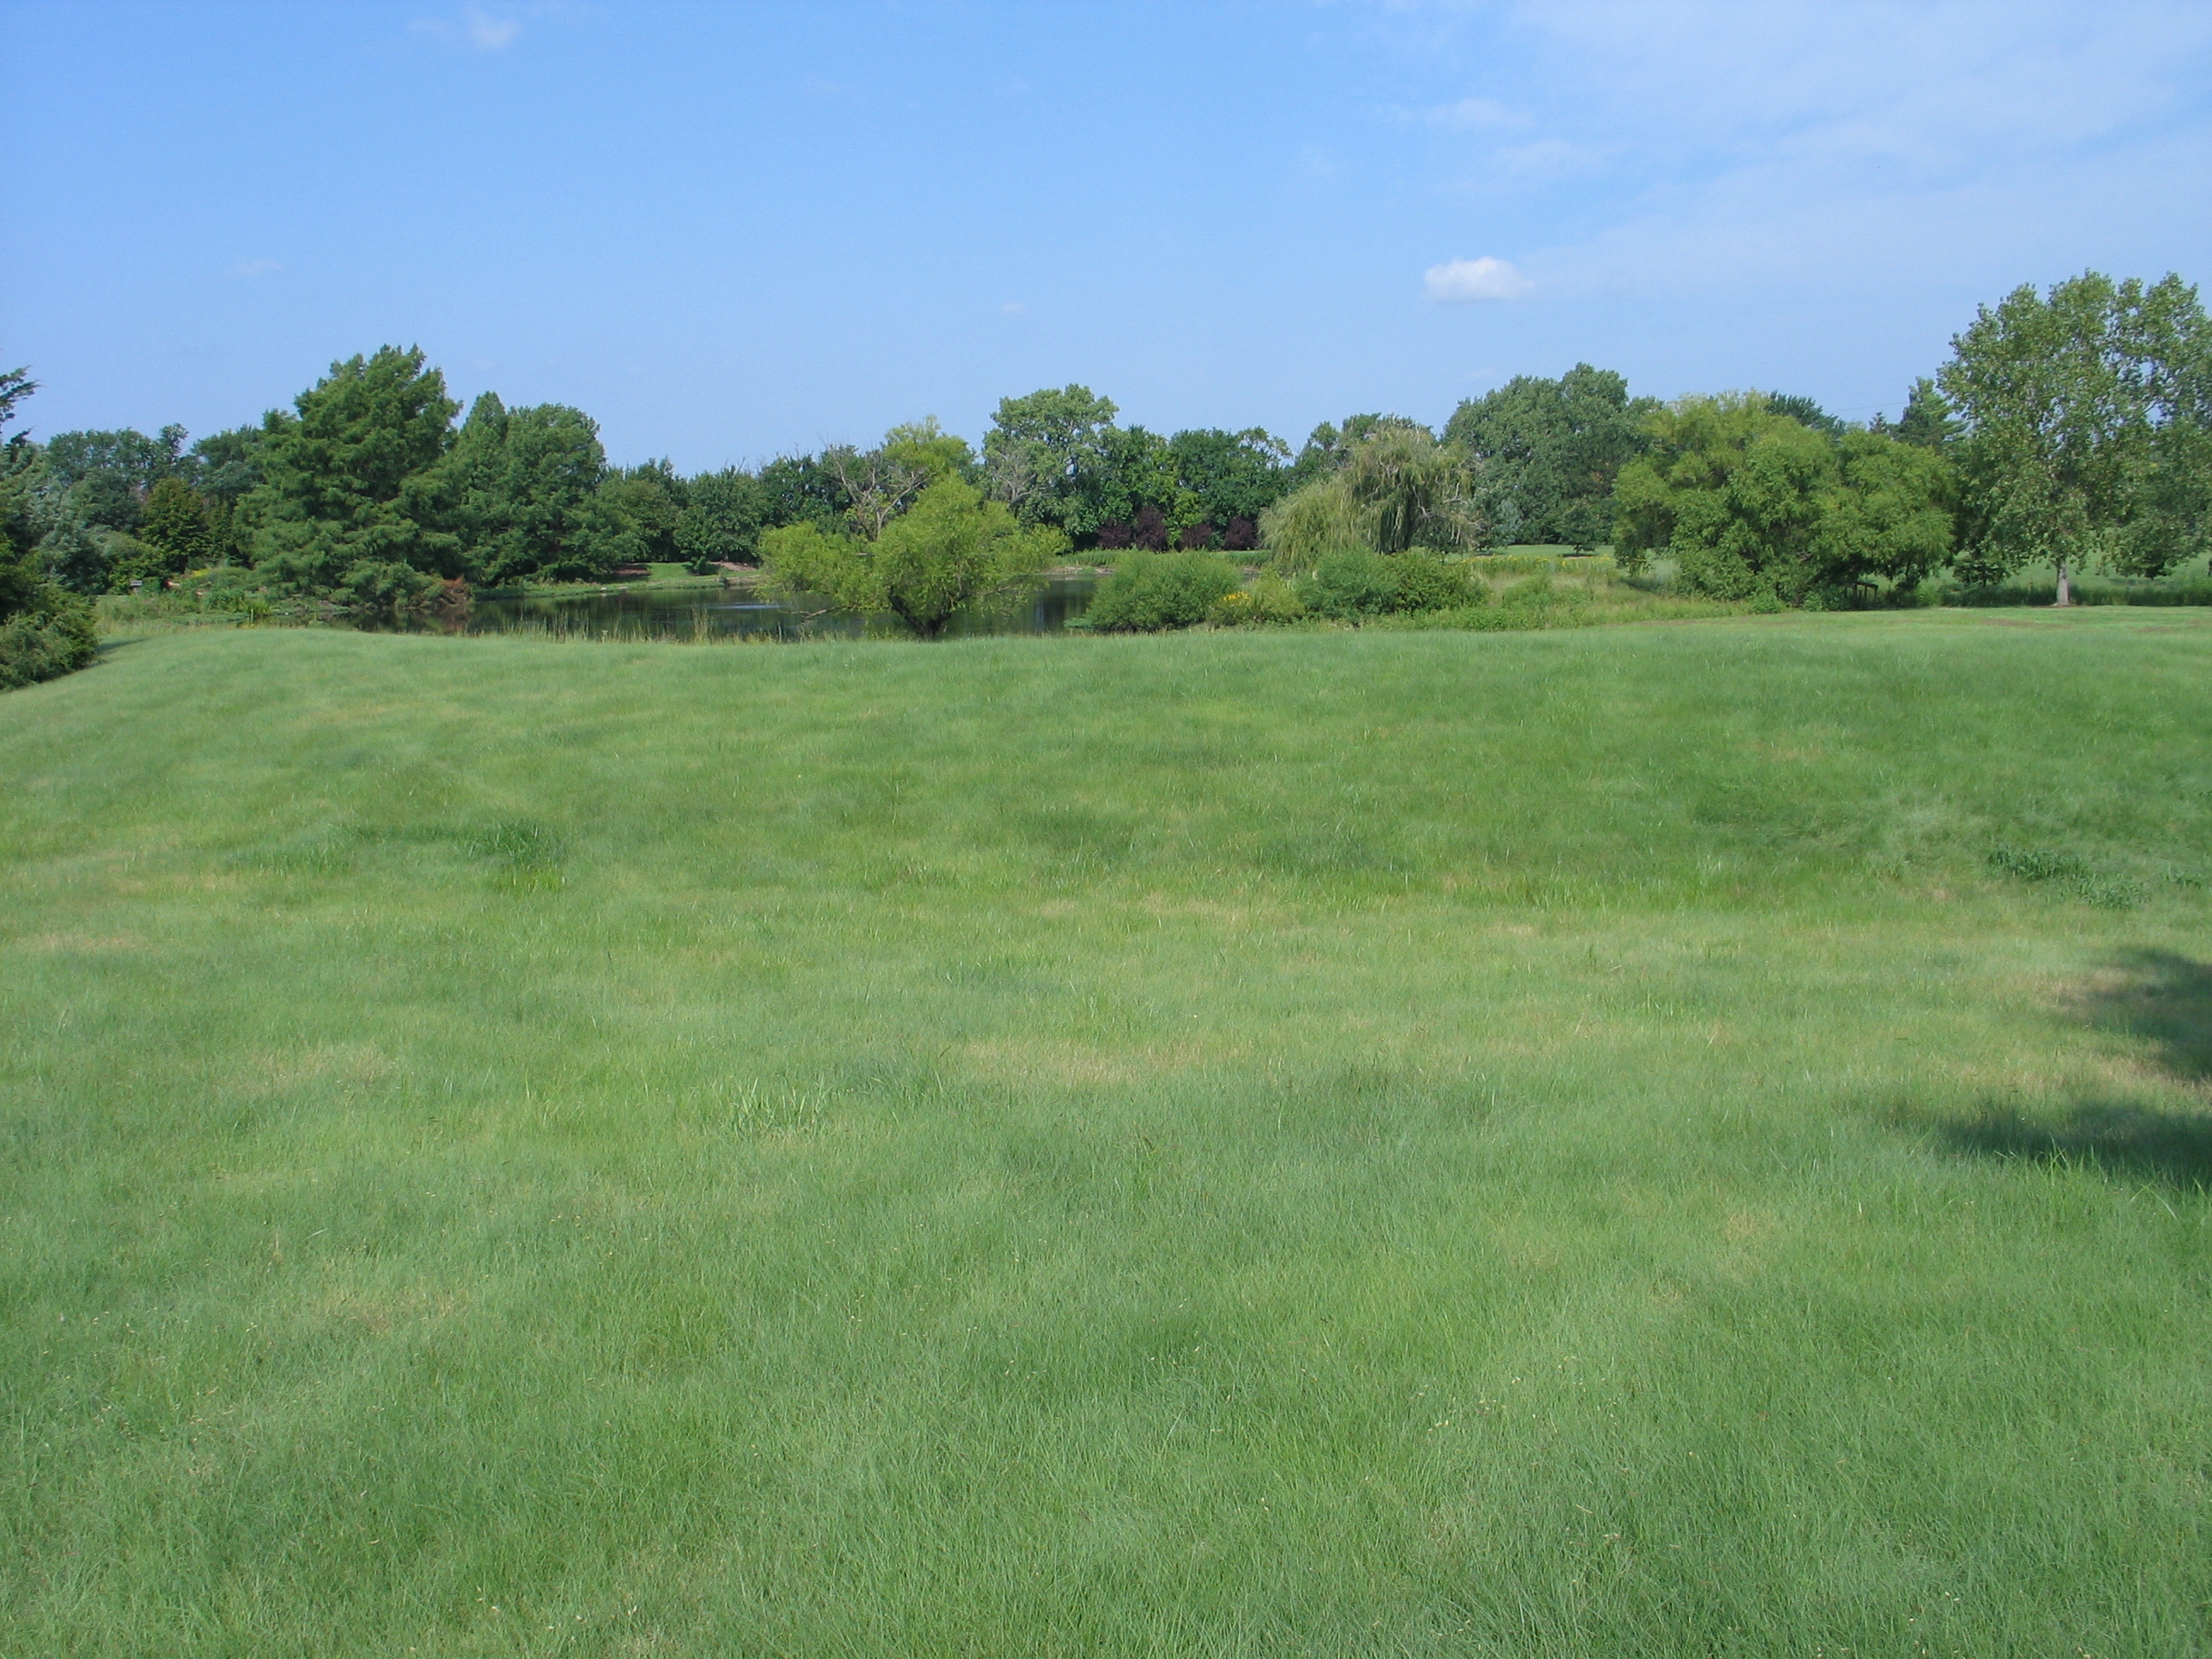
<point x="384" y="585"/>
<point x="1351" y="584"/>
<point x="44" y="631"/>
<point x="1149" y="592"/>
<point x="1428" y="584"/>
<point x="1268" y="600"/>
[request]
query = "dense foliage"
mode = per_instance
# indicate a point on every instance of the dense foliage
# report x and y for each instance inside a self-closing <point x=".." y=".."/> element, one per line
<point x="952" y="547"/>
<point x="1353" y="585"/>
<point x="2072" y="427"/>
<point x="44" y="630"/>
<point x="1750" y="501"/>
<point x="1388" y="488"/>
<point x="2086" y="427"/>
<point x="1150" y="592"/>
<point x="1548" y="451"/>
<point x="1058" y="458"/>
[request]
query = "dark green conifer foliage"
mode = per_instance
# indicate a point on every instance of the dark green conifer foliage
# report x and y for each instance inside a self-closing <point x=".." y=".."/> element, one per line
<point x="353" y="499"/>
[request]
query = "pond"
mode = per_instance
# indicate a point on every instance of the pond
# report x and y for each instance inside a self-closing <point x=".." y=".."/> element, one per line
<point x="710" y="611"/>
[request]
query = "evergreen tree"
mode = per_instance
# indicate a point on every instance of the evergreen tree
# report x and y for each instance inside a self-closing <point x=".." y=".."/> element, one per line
<point x="353" y="500"/>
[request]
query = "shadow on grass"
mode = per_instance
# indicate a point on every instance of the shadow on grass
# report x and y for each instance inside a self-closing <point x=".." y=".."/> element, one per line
<point x="2160" y="997"/>
<point x="2168" y="999"/>
<point x="2139" y="1141"/>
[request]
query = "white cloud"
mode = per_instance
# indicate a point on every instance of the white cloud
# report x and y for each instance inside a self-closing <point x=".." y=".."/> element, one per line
<point x="1471" y="114"/>
<point x="1706" y="143"/>
<point x="485" y="31"/>
<point x="1012" y="309"/>
<point x="1464" y="282"/>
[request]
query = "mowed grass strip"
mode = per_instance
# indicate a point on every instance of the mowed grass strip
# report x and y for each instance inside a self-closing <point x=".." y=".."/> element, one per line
<point x="1679" y="1140"/>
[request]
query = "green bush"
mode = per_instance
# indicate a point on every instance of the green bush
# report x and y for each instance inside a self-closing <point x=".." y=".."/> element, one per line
<point x="44" y="647"/>
<point x="44" y="631"/>
<point x="1148" y="592"/>
<point x="384" y="585"/>
<point x="45" y="628"/>
<point x="1269" y="600"/>
<point x="1351" y="584"/>
<point x="1429" y="584"/>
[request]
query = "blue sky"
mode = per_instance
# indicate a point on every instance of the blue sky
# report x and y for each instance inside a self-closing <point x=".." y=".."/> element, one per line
<point x="730" y="231"/>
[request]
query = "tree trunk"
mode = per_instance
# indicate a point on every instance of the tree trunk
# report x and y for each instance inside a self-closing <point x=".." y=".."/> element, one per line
<point x="2065" y="589"/>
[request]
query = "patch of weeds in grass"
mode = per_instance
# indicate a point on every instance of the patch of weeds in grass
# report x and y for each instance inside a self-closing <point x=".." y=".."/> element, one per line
<point x="2068" y="872"/>
<point x="2037" y="863"/>
<point x="756" y="1110"/>
<point x="526" y="853"/>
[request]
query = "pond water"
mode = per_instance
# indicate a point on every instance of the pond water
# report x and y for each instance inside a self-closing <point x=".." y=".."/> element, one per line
<point x="711" y="612"/>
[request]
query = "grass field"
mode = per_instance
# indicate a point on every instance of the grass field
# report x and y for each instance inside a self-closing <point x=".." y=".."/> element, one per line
<point x="1684" y="1139"/>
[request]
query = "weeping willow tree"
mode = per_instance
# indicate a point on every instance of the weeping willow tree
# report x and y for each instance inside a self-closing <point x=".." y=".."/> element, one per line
<point x="1309" y="524"/>
<point x="1397" y="488"/>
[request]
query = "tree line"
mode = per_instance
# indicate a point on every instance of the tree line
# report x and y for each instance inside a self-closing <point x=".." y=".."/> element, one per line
<point x="2072" y="426"/>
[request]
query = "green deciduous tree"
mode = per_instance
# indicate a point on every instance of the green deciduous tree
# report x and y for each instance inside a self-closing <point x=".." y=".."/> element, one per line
<point x="1416" y="491"/>
<point x="1230" y="479"/>
<point x="1751" y="501"/>
<point x="523" y="485"/>
<point x="2085" y="417"/>
<point x="1394" y="488"/>
<point x="927" y="448"/>
<point x="1046" y="456"/>
<point x="1327" y="447"/>
<point x="1313" y="522"/>
<point x="353" y="499"/>
<point x="800" y="489"/>
<point x="176" y="533"/>
<point x="952" y="548"/>
<point x="721" y="523"/>
<point x="1545" y="453"/>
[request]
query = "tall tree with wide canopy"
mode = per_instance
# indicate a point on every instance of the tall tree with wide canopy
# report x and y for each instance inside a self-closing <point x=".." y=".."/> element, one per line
<point x="1048" y="454"/>
<point x="526" y="485"/>
<point x="1547" y="452"/>
<point x="2085" y="420"/>
<point x="1233" y="478"/>
<point x="353" y="497"/>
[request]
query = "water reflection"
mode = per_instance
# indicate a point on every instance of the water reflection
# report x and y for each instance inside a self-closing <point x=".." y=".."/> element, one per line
<point x="713" y="612"/>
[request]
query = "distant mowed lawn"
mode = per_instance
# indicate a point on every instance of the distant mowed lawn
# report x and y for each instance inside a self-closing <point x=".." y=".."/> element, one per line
<point x="1669" y="1141"/>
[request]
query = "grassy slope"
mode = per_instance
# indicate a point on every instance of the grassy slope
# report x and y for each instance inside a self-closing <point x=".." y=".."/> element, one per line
<point x="1333" y="1144"/>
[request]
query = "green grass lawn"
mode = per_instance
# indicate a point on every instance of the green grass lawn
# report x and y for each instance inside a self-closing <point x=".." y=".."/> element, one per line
<point x="1432" y="1144"/>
